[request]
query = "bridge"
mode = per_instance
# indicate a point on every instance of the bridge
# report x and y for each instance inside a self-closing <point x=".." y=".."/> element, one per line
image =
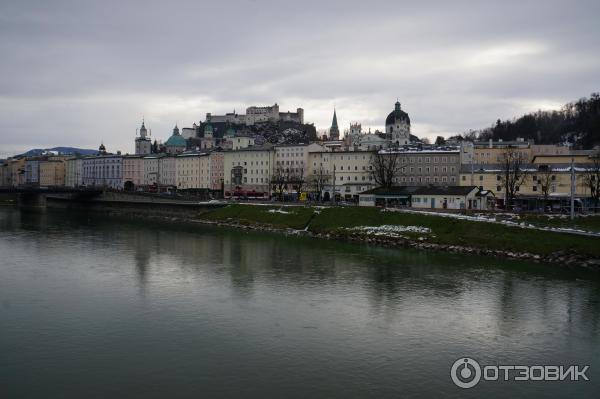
<point x="35" y="197"/>
<point x="49" y="190"/>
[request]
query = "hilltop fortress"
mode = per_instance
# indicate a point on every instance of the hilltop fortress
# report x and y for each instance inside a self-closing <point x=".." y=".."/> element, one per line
<point x="256" y="115"/>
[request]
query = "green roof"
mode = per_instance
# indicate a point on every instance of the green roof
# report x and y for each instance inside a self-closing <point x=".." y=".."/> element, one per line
<point x="176" y="140"/>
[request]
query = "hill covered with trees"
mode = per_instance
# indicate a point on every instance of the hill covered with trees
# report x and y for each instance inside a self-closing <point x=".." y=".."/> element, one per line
<point x="576" y="122"/>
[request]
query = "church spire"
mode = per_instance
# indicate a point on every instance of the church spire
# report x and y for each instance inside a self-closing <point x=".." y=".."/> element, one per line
<point x="334" y="131"/>
<point x="334" y="122"/>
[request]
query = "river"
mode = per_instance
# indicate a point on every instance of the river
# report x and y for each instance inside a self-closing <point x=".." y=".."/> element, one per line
<point x="93" y="306"/>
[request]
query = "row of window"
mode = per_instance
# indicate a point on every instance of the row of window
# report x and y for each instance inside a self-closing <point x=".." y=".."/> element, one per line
<point x="427" y="179"/>
<point x="499" y="178"/>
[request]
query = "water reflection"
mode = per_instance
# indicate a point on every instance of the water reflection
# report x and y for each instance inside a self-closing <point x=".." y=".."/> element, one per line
<point x="224" y="305"/>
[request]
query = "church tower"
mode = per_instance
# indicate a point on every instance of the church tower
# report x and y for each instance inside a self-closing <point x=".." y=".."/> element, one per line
<point x="397" y="126"/>
<point x="143" y="145"/>
<point x="334" y="131"/>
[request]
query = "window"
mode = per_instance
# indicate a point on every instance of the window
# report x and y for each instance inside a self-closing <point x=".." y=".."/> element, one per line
<point x="480" y="177"/>
<point x="498" y="188"/>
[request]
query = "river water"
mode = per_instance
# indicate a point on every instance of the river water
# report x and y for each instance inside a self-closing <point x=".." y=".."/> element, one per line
<point x="101" y="307"/>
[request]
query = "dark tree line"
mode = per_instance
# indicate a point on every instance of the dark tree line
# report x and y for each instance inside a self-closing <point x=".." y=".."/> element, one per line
<point x="577" y="122"/>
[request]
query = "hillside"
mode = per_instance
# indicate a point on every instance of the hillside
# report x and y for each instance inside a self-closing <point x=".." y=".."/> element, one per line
<point x="60" y="151"/>
<point x="282" y="132"/>
<point x="577" y="123"/>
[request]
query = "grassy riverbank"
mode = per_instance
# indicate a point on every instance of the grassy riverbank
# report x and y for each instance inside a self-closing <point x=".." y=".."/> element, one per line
<point x="434" y="229"/>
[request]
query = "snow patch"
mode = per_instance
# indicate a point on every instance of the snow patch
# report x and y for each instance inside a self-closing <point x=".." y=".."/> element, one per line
<point x="389" y="229"/>
<point x="279" y="211"/>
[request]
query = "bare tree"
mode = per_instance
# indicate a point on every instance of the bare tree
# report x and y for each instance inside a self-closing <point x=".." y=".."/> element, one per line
<point x="591" y="180"/>
<point x="317" y="181"/>
<point x="385" y="167"/>
<point x="279" y="181"/>
<point x="297" y="181"/>
<point x="513" y="173"/>
<point x="545" y="179"/>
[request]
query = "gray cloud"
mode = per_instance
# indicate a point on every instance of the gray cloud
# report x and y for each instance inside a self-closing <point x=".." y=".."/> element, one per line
<point x="78" y="72"/>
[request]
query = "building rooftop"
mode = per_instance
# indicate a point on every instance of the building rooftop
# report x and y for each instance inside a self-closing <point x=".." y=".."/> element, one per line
<point x="394" y="190"/>
<point x="496" y="168"/>
<point x="444" y="190"/>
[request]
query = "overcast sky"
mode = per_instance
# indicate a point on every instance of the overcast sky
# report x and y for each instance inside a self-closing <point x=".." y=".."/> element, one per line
<point x="80" y="72"/>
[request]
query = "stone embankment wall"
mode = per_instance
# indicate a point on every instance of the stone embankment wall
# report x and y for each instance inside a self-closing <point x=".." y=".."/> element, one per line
<point x="132" y="204"/>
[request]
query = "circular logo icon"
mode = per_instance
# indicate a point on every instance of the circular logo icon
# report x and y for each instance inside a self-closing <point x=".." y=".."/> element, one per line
<point x="465" y="372"/>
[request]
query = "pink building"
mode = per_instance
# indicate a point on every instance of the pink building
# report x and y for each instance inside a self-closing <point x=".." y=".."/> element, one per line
<point x="216" y="170"/>
<point x="133" y="170"/>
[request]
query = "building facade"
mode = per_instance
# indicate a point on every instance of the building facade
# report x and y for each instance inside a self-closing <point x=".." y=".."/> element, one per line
<point x="103" y="171"/>
<point x="540" y="179"/>
<point x="133" y="171"/>
<point x="438" y="167"/>
<point x="492" y="152"/>
<point x="216" y="171"/>
<point x="345" y="173"/>
<point x="52" y="173"/>
<point x="151" y="170"/>
<point x="248" y="170"/>
<point x="74" y="172"/>
<point x="193" y="171"/>
<point x="167" y="167"/>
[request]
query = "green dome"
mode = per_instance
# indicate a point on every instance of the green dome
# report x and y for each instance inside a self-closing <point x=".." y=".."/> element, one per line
<point x="397" y="114"/>
<point x="176" y="140"/>
<point x="230" y="132"/>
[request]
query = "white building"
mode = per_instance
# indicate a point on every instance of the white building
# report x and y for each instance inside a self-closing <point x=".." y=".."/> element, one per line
<point x="293" y="159"/>
<point x="167" y="171"/>
<point x="151" y="170"/>
<point x="103" y="171"/>
<point x="347" y="173"/>
<point x="74" y="172"/>
<point x="193" y="171"/>
<point x="450" y="197"/>
<point x="248" y="169"/>
<point x="239" y="142"/>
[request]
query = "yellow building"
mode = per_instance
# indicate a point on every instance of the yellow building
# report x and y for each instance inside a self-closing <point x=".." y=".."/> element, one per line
<point x="563" y="159"/>
<point x="16" y="171"/>
<point x="495" y="155"/>
<point x="558" y="177"/>
<point x="52" y="173"/>
<point x="4" y="174"/>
